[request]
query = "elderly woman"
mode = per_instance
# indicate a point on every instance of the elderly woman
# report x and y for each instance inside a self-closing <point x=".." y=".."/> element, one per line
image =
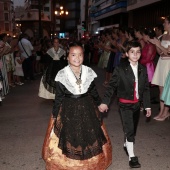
<point x="9" y="59"/>
<point x="4" y="80"/>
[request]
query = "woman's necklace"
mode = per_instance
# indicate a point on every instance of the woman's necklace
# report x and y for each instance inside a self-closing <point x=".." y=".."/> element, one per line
<point x="78" y="79"/>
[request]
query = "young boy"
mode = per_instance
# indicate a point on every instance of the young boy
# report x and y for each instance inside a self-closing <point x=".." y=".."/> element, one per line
<point x="130" y="82"/>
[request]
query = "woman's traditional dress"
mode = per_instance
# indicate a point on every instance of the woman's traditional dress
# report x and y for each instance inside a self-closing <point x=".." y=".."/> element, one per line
<point x="147" y="59"/>
<point x="76" y="139"/>
<point x="162" y="68"/>
<point x="166" y="91"/>
<point x="47" y="83"/>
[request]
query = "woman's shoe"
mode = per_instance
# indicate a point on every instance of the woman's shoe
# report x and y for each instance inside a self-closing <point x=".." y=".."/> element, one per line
<point x="156" y="117"/>
<point x="163" y="118"/>
<point x="11" y="85"/>
<point x="20" y="83"/>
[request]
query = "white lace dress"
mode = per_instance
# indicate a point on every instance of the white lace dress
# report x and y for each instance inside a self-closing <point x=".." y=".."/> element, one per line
<point x="162" y="68"/>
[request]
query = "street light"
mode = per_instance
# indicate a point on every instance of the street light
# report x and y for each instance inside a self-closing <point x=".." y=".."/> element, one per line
<point x="17" y="30"/>
<point x="60" y="12"/>
<point x="18" y="25"/>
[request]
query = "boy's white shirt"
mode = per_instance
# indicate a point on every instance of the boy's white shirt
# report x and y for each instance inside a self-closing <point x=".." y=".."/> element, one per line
<point x="135" y="71"/>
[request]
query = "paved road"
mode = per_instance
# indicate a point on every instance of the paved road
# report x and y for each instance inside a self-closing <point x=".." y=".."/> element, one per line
<point x="23" y="122"/>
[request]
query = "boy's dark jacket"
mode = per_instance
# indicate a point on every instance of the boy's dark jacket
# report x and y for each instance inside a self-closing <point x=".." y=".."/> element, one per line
<point x="122" y="83"/>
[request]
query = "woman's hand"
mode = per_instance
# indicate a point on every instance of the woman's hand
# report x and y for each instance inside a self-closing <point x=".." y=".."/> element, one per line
<point x="168" y="50"/>
<point x="155" y="41"/>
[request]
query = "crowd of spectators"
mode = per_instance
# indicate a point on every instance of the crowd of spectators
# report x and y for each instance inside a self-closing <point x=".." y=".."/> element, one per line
<point x="155" y="43"/>
<point x="21" y="59"/>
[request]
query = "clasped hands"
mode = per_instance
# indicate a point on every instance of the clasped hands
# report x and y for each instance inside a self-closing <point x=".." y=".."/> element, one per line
<point x="155" y="41"/>
<point x="103" y="108"/>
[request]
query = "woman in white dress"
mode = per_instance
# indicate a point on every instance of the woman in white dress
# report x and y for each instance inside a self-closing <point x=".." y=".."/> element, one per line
<point x="105" y="46"/>
<point x="48" y="84"/>
<point x="9" y="60"/>
<point x="18" y="73"/>
<point x="5" y="85"/>
<point x="163" y="67"/>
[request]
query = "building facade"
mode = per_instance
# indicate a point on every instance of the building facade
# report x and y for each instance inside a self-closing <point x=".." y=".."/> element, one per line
<point x="147" y="13"/>
<point x="35" y="21"/>
<point x="132" y="13"/>
<point x="7" y="18"/>
<point x="107" y="13"/>
<point x="65" y="23"/>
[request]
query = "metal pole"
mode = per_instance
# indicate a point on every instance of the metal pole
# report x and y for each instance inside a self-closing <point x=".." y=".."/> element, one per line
<point x="53" y="17"/>
<point x="40" y="25"/>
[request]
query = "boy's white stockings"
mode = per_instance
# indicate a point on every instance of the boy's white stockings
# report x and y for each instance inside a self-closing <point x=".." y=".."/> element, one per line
<point x="130" y="149"/>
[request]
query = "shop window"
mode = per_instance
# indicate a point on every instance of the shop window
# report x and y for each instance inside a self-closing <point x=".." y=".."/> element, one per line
<point x="6" y="17"/>
<point x="6" y="26"/>
<point x="46" y="9"/>
<point x="5" y="6"/>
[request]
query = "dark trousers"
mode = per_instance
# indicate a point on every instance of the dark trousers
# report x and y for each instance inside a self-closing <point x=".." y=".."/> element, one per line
<point x="130" y="114"/>
<point x="27" y="67"/>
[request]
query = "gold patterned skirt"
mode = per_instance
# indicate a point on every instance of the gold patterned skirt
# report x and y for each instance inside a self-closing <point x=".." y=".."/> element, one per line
<point x="55" y="160"/>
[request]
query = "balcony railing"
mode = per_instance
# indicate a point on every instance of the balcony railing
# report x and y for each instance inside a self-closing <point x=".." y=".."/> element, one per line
<point x="118" y="5"/>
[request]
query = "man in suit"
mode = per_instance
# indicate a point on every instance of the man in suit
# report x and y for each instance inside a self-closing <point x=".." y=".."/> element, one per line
<point x="130" y="82"/>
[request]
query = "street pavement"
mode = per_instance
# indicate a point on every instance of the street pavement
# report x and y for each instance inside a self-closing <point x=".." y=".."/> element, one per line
<point x="24" y="118"/>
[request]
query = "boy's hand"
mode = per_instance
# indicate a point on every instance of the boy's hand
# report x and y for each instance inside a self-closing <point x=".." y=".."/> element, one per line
<point x="103" y="108"/>
<point x="148" y="112"/>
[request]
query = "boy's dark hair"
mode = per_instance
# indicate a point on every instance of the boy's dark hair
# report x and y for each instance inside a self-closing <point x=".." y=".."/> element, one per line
<point x="132" y="44"/>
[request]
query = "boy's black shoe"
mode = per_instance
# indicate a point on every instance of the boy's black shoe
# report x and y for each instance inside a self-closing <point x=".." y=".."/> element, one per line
<point x="133" y="163"/>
